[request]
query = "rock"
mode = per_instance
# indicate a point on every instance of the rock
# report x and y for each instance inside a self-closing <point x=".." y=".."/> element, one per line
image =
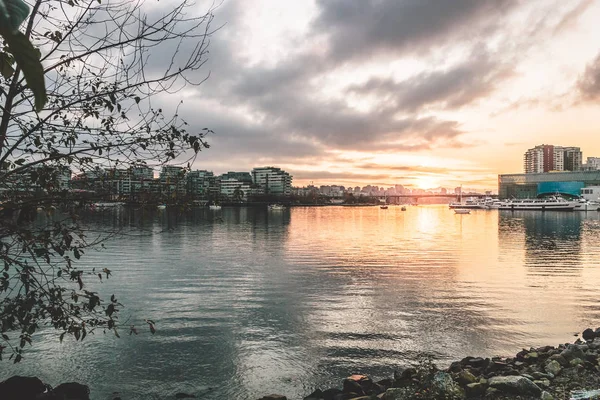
<point x="465" y="377"/>
<point x="531" y="357"/>
<point x="329" y="394"/>
<point x="541" y="375"/>
<point x="407" y="393"/>
<point x="553" y="367"/>
<point x="576" y="362"/>
<point x="475" y="362"/>
<point x="273" y="397"/>
<point x="588" y="334"/>
<point x="72" y="391"/>
<point x="476" y="389"/>
<point x="317" y="394"/>
<point x="546" y="396"/>
<point x="560" y="359"/>
<point x="444" y="387"/>
<point x="21" y="388"/>
<point x="573" y="351"/>
<point x="352" y="386"/>
<point x="515" y="385"/>
<point x="542" y="382"/>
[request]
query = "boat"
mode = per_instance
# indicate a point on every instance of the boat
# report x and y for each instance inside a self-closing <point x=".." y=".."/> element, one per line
<point x="553" y="203"/>
<point x="462" y="211"/>
<point x="403" y="208"/>
<point x="103" y="205"/>
<point x="276" y="207"/>
<point x="214" y="207"/>
<point x="161" y="206"/>
<point x="473" y="203"/>
<point x="383" y="207"/>
<point x="586" y="205"/>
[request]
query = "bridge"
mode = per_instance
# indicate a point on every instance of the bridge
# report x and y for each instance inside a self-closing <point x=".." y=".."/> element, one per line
<point x="395" y="198"/>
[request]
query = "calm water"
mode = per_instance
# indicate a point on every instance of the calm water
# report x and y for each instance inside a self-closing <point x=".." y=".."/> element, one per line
<point x="249" y="302"/>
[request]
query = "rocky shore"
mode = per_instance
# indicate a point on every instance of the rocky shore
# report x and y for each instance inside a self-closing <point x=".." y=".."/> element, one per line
<point x="568" y="371"/>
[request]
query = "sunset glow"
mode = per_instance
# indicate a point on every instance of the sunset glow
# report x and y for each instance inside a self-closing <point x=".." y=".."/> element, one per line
<point x="422" y="94"/>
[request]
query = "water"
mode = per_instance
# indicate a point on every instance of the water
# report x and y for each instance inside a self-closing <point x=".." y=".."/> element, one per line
<point x="249" y="302"/>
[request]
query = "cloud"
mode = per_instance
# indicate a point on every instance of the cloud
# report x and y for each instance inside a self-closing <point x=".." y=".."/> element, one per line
<point x="474" y="78"/>
<point x="589" y="83"/>
<point x="360" y="29"/>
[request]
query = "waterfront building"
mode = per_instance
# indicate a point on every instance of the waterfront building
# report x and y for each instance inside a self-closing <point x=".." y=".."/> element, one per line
<point x="202" y="185"/>
<point x="273" y="181"/>
<point x="233" y="189"/>
<point x="547" y="158"/>
<point x="239" y="176"/>
<point x="532" y="185"/>
<point x="172" y="181"/>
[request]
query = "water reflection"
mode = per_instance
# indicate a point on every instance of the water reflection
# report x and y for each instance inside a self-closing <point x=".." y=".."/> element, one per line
<point x="250" y="301"/>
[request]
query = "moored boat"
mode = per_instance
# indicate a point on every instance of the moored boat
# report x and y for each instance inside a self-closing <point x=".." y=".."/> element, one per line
<point x="462" y="211"/>
<point x="553" y="203"/>
<point x="276" y="207"/>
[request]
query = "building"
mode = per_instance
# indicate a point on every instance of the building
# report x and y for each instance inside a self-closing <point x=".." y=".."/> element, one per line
<point x="233" y="189"/>
<point x="547" y="158"/>
<point x="239" y="176"/>
<point x="273" y="181"/>
<point x="202" y="185"/>
<point x="592" y="164"/>
<point x="172" y="181"/>
<point x="538" y="184"/>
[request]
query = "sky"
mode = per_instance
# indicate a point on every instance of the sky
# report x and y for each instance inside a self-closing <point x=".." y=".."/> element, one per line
<point x="421" y="93"/>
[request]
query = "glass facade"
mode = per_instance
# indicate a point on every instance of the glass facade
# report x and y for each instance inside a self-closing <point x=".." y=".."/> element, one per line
<point x="530" y="185"/>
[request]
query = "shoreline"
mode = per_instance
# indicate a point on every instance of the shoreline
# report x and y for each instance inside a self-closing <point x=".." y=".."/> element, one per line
<point x="566" y="371"/>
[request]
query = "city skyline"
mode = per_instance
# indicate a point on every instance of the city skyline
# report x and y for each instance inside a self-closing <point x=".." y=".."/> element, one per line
<point x="388" y="92"/>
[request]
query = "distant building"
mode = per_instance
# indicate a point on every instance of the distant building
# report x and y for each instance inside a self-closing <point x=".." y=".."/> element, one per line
<point x="239" y="176"/>
<point x="547" y="158"/>
<point x="273" y="181"/>
<point x="592" y="164"/>
<point x="202" y="184"/>
<point x="233" y="189"/>
<point x="172" y="181"/>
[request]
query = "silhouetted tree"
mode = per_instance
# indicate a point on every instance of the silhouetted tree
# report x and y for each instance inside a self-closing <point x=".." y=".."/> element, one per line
<point x="108" y="66"/>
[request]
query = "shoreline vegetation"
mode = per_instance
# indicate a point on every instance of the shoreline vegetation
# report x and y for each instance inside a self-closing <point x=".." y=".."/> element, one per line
<point x="566" y="371"/>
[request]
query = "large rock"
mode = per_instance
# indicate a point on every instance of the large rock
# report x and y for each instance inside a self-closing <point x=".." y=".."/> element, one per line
<point x="574" y="351"/>
<point x="21" y="388"/>
<point x="444" y="386"/>
<point x="476" y="389"/>
<point x="465" y="377"/>
<point x="588" y="334"/>
<point x="72" y="391"/>
<point x="553" y="367"/>
<point x="518" y="385"/>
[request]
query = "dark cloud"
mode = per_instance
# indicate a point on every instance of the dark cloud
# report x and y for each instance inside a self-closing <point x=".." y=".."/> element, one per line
<point x="589" y="82"/>
<point x="455" y="87"/>
<point x="359" y="29"/>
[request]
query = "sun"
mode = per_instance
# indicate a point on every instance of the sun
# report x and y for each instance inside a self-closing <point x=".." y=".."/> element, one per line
<point x="426" y="182"/>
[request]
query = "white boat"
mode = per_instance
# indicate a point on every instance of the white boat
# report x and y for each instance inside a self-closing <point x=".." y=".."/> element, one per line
<point x="214" y="207"/>
<point x="462" y="211"/>
<point x="473" y="203"/>
<point x="553" y="203"/>
<point x="276" y="207"/>
<point x="100" y="205"/>
<point x="161" y="206"/>
<point x="586" y="205"/>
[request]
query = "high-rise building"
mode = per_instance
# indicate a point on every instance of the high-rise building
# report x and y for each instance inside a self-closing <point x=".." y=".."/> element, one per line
<point x="593" y="164"/>
<point x="546" y="158"/>
<point x="272" y="180"/>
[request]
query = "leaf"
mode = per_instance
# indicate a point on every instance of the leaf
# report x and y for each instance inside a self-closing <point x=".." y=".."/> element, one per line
<point x="13" y="13"/>
<point x="29" y="62"/>
<point x="6" y="68"/>
<point x="116" y="333"/>
<point x="137" y="100"/>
